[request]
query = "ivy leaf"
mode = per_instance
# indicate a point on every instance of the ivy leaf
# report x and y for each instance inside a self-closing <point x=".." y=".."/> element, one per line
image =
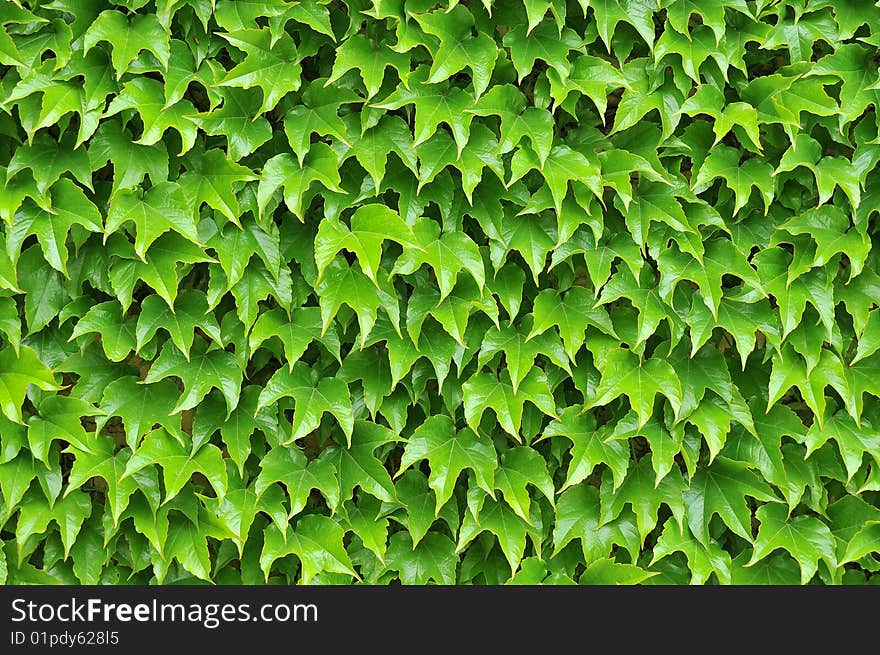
<point x="210" y="178"/>
<point x="449" y="452"/>
<point x="315" y="540"/>
<point x="420" y="502"/>
<point x="703" y="561"/>
<point x="508" y="528"/>
<point x="101" y="461"/>
<point x="371" y="59"/>
<point x="147" y="97"/>
<point x="70" y="206"/>
<point x="295" y="333"/>
<point x="236" y="511"/>
<point x="721" y="258"/>
<point x="235" y="246"/>
<point x="47" y="160"/>
<point x="484" y="391"/>
<point x="433" y="559"/>
<point x="358" y="466"/>
<point x="434" y="104"/>
<point x="343" y="284"/>
<point x="543" y="42"/>
<point x="374" y="144"/>
<point x="521" y="467"/>
<point x="571" y="314"/>
<point x="320" y="165"/>
<point x="561" y="166"/>
<point x="177" y="464"/>
<point x="624" y="373"/>
<point x="830" y="229"/>
<point x="131" y="161"/>
<point x="68" y="514"/>
<point x="203" y="370"/>
<point x="270" y="63"/>
<point x="645" y="496"/>
<point x="850" y="64"/>
<point x="239" y="121"/>
<point x="577" y="517"/>
<point x="448" y="254"/>
<point x="318" y="114"/>
<point x="289" y="466"/>
<point x="311" y="400"/>
<point x="371" y="225"/>
<point x="127" y="38"/>
<point x="853" y="440"/>
<point x="520" y="353"/>
<point x="117" y="332"/>
<point x="17" y="371"/>
<point x="609" y="572"/>
<point x="722" y="489"/>
<point x="154" y="212"/>
<point x="805" y="537"/>
<point x="589" y="447"/>
<point x="140" y="407"/>
<point x="458" y="48"/>
<point x="190" y="311"/>
<point x="724" y="162"/>
<point x="59" y="418"/>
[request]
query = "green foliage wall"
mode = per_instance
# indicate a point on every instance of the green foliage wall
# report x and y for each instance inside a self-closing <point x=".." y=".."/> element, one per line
<point x="459" y="292"/>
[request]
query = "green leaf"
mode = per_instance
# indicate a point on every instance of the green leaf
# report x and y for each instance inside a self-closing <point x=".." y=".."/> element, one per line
<point x="433" y="559"/>
<point x="590" y="447"/>
<point x="484" y="391"/>
<point x="283" y="171"/>
<point x="315" y="540"/>
<point x="508" y="528"/>
<point x="624" y="373"/>
<point x="270" y="63"/>
<point x="239" y="121"/>
<point x="449" y="452"/>
<point x="447" y="254"/>
<point x="371" y="60"/>
<point x="210" y="178"/>
<point x="289" y="466"/>
<point x="59" y="418"/>
<point x="571" y="314"/>
<point x="458" y="49"/>
<point x="127" y="38"/>
<point x="344" y="284"/>
<point x="805" y="537"/>
<point x="154" y="212"/>
<point x="645" y="496"/>
<point x="140" y="407"/>
<point x="371" y="225"/>
<point x="434" y="104"/>
<point x="18" y="370"/>
<point x="724" y="162"/>
<point x="190" y="312"/>
<point x="101" y="461"/>
<point x="358" y="466"/>
<point x="202" y="371"/>
<point x="70" y="206"/>
<point x="178" y="465"/>
<point x="721" y="489"/>
<point x="520" y="468"/>
<point x="117" y="332"/>
<point x="318" y="114"/>
<point x="147" y="97"/>
<point x="311" y="400"/>
<point x="577" y="517"/>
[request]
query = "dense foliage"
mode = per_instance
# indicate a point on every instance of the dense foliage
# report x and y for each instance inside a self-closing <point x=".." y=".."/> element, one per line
<point x="461" y="292"/>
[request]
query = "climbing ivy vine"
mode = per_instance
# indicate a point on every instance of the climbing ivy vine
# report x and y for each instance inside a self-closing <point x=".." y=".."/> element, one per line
<point x="460" y="292"/>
